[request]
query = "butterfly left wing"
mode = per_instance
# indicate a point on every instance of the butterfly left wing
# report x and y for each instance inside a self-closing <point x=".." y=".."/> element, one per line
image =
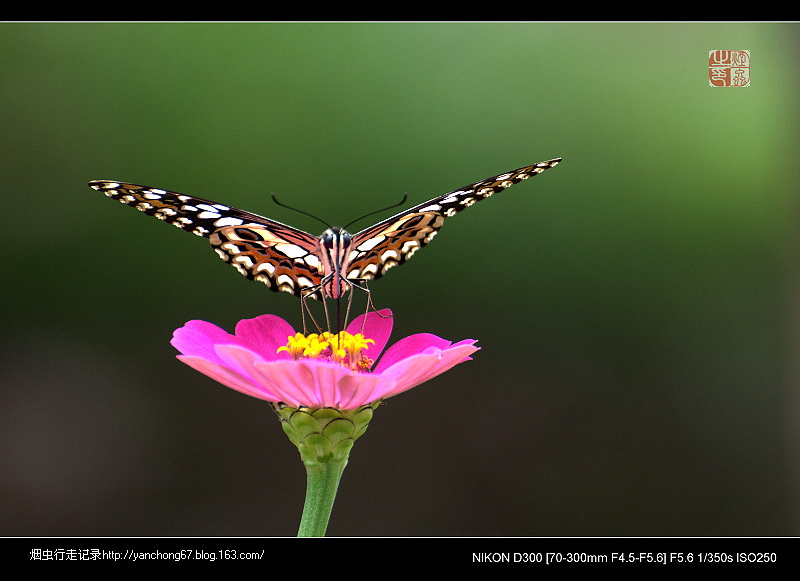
<point x="284" y="258"/>
<point x="396" y="239"/>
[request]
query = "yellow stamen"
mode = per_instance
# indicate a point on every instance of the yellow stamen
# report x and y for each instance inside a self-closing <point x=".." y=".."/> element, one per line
<point x="343" y="348"/>
<point x="295" y="345"/>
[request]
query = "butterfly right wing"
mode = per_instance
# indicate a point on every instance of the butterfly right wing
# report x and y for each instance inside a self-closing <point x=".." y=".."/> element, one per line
<point x="282" y="257"/>
<point x="394" y="240"/>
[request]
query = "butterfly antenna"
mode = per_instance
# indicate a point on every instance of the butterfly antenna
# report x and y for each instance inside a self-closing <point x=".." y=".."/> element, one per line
<point x="274" y="199"/>
<point x="400" y="203"/>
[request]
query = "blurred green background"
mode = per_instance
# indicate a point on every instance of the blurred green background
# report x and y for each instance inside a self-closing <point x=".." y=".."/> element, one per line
<point x="635" y="305"/>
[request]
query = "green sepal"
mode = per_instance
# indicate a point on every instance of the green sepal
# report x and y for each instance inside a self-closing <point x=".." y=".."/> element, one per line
<point x="324" y="435"/>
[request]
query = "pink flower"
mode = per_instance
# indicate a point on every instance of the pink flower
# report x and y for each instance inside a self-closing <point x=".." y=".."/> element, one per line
<point x="268" y="360"/>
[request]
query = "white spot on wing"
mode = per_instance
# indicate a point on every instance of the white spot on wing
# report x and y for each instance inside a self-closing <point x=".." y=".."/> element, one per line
<point x="263" y="278"/>
<point x="410" y="246"/>
<point x="291" y="250"/>
<point x="390" y="254"/>
<point x="285" y="280"/>
<point x="268" y="266"/>
<point x="304" y="282"/>
<point x="371" y="243"/>
<point x="368" y="270"/>
<point x="432" y="208"/>
<point x="228" y="221"/>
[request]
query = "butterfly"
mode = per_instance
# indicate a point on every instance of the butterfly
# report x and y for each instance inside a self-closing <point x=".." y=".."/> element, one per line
<point x="290" y="260"/>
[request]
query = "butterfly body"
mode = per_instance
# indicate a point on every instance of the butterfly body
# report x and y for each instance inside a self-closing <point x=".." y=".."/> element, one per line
<point x="290" y="260"/>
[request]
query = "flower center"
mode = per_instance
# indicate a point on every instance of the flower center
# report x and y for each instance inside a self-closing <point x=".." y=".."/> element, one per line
<point x="342" y="348"/>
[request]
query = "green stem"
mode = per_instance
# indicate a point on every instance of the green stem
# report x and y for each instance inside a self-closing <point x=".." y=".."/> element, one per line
<point x="322" y="480"/>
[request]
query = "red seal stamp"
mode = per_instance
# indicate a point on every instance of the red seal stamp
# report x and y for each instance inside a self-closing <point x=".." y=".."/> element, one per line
<point x="729" y="68"/>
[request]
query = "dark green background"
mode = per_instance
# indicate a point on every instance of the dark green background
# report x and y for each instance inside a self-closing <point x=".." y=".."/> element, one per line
<point x="637" y="373"/>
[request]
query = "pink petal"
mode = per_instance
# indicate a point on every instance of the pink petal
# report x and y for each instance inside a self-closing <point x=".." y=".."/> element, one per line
<point x="225" y="376"/>
<point x="408" y="346"/>
<point x="238" y="359"/>
<point x="197" y="338"/>
<point x="265" y="334"/>
<point x="315" y="383"/>
<point x="416" y="369"/>
<point x="376" y="326"/>
<point x="360" y="389"/>
<point x="291" y="381"/>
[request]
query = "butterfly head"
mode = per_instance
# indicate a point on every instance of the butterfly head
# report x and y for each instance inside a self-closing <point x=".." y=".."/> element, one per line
<point x="335" y="237"/>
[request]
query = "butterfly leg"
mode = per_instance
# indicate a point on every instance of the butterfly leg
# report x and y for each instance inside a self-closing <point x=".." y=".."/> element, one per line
<point x="327" y="315"/>
<point x="305" y="308"/>
<point x="349" y="305"/>
<point x="317" y="291"/>
<point x="370" y="305"/>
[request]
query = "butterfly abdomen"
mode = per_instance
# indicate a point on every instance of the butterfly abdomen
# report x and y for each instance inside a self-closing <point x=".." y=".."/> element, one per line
<point x="334" y="248"/>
